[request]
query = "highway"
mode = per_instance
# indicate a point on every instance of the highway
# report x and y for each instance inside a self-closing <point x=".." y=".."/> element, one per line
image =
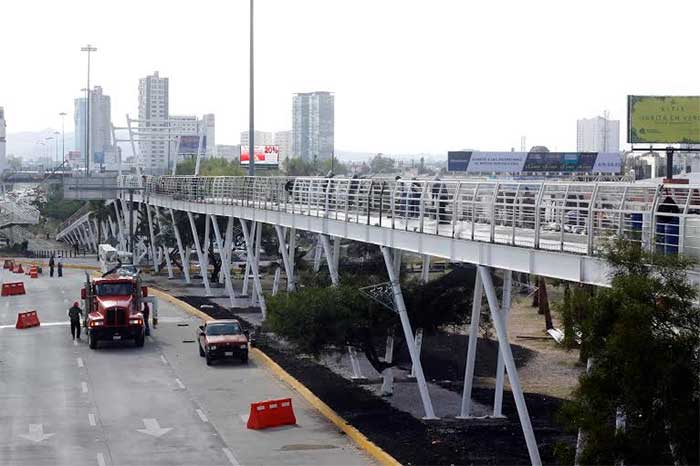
<point x="64" y="404"/>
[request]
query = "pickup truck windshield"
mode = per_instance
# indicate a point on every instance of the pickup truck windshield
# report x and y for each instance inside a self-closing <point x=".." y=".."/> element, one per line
<point x="223" y="329"/>
<point x="114" y="289"/>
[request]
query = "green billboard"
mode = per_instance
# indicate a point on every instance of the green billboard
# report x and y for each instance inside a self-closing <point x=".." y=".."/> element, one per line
<point x="663" y="119"/>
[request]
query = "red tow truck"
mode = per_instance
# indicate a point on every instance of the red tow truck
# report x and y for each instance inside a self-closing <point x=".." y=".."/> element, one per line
<point x="113" y="306"/>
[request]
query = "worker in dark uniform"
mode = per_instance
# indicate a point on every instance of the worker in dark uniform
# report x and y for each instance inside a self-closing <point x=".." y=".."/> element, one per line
<point x="60" y="267"/>
<point x="52" y="264"/>
<point x="146" y="315"/>
<point x="75" y="313"/>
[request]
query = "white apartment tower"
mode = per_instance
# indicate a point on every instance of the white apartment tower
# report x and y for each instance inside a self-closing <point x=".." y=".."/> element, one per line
<point x="262" y="138"/>
<point x="283" y="139"/>
<point x="598" y="134"/>
<point x="313" y="124"/>
<point x="3" y="141"/>
<point x="153" y="113"/>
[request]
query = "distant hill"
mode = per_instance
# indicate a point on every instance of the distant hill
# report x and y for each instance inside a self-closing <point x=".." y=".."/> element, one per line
<point x="25" y="144"/>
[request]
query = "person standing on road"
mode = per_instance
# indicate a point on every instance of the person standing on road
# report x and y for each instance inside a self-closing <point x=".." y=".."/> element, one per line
<point x="60" y="267"/>
<point x="146" y="314"/>
<point x="52" y="264"/>
<point x="75" y="313"/>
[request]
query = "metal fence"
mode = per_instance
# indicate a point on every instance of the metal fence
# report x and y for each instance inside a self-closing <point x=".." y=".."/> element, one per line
<point x="575" y="217"/>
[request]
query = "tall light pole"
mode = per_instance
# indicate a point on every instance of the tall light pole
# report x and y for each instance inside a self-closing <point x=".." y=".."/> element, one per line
<point x="48" y="150"/>
<point x="251" y="116"/>
<point x="63" y="141"/>
<point x="56" y="133"/>
<point x="88" y="48"/>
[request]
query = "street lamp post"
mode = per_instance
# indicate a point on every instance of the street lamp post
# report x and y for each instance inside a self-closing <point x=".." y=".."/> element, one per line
<point x="251" y="116"/>
<point x="63" y="143"/>
<point x="56" y="133"/>
<point x="48" y="150"/>
<point x="88" y="48"/>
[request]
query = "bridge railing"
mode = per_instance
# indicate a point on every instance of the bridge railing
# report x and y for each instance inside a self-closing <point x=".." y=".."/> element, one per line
<point x="576" y="217"/>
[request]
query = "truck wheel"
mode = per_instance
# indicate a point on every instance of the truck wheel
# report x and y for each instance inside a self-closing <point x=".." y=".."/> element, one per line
<point x="201" y="351"/>
<point x="92" y="341"/>
<point x="139" y="341"/>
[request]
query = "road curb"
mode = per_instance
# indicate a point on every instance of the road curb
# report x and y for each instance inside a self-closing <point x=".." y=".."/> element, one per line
<point x="358" y="437"/>
<point x="44" y="263"/>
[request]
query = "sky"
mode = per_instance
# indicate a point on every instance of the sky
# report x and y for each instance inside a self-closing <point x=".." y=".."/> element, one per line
<point x="408" y="76"/>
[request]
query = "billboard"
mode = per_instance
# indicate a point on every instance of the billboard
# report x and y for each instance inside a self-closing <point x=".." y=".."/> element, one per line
<point x="189" y="144"/>
<point x="534" y="162"/>
<point x="268" y="156"/>
<point x="663" y="119"/>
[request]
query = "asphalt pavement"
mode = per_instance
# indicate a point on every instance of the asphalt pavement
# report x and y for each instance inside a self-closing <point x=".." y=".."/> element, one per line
<point x="64" y="404"/>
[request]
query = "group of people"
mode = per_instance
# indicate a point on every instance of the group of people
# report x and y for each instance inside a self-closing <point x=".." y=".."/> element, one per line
<point x="54" y="263"/>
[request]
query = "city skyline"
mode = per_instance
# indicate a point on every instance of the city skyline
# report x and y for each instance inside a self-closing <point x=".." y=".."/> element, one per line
<point x="415" y="85"/>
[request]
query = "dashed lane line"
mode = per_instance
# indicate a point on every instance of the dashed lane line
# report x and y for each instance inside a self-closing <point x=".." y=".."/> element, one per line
<point x="101" y="460"/>
<point x="162" y="358"/>
<point x="180" y="384"/>
<point x="232" y="459"/>
<point x="202" y="416"/>
<point x="91" y="419"/>
<point x="84" y="386"/>
<point x="80" y="362"/>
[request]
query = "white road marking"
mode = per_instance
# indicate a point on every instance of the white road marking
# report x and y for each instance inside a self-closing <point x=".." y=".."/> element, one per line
<point x="202" y="416"/>
<point x="153" y="428"/>
<point x="43" y="324"/>
<point x="180" y="384"/>
<point x="80" y="362"/>
<point x="232" y="459"/>
<point x="244" y="418"/>
<point x="91" y="418"/>
<point x="75" y="343"/>
<point x="162" y="358"/>
<point x="36" y="433"/>
<point x="101" y="459"/>
<point x="84" y="386"/>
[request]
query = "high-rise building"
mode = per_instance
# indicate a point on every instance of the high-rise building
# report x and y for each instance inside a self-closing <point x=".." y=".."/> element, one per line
<point x="262" y="138"/>
<point x="313" y="125"/>
<point x="153" y="113"/>
<point x="598" y="134"/>
<point x="100" y="126"/>
<point x="209" y="128"/>
<point x="283" y="139"/>
<point x="228" y="152"/>
<point x="3" y="141"/>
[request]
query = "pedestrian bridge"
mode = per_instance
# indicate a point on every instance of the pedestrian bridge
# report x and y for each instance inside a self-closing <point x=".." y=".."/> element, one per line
<point x="555" y="229"/>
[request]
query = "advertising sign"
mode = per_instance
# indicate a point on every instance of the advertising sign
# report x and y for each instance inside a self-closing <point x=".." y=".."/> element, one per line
<point x="189" y="144"/>
<point x="98" y="157"/>
<point x="268" y="156"/>
<point x="663" y="119"/>
<point x="534" y="162"/>
<point x="458" y="161"/>
<point x="74" y="155"/>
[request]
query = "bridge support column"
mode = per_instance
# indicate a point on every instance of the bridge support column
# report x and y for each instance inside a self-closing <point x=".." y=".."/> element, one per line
<point x="465" y="411"/>
<point x="336" y="253"/>
<point x="254" y="265"/>
<point x="228" y="245"/>
<point x="330" y="259"/>
<point x="284" y="251"/>
<point x="225" y="265"/>
<point x="244" y="290"/>
<point x="156" y="265"/>
<point x="500" y="367"/>
<point x="200" y="256"/>
<point x="408" y="333"/>
<point x="184" y="258"/>
<point x="291" y="252"/>
<point x="317" y="254"/>
<point x="166" y="253"/>
<point x="256" y="258"/>
<point x="504" y="346"/>
<point x="120" y="226"/>
<point x="91" y="235"/>
<point x="425" y="270"/>
<point x="206" y="244"/>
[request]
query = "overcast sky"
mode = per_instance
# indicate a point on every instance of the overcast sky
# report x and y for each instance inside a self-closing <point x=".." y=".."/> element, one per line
<point x="409" y="76"/>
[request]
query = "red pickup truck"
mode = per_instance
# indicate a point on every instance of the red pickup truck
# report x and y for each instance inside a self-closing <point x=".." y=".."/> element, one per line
<point x="222" y="339"/>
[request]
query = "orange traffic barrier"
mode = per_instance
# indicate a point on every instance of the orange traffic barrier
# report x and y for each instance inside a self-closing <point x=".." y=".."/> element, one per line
<point x="33" y="274"/>
<point x="27" y="319"/>
<point x="19" y="269"/>
<point x="271" y="413"/>
<point x="8" y="264"/>
<point x="12" y="289"/>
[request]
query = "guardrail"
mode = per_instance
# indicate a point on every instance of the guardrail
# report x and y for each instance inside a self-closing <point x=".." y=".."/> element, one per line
<point x="573" y="217"/>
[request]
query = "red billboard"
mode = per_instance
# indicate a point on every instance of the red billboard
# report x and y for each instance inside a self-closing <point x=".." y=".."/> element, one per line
<point x="268" y="156"/>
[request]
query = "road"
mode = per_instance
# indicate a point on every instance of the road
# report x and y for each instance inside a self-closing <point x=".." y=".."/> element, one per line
<point x="64" y="404"/>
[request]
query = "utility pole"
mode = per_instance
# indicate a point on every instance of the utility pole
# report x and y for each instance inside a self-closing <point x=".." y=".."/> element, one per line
<point x="63" y="144"/>
<point x="88" y="48"/>
<point x="251" y="115"/>
<point x="131" y="227"/>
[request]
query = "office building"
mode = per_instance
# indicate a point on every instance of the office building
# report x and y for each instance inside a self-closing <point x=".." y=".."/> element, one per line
<point x="283" y="139"/>
<point x="313" y="125"/>
<point x="153" y="113"/>
<point x="3" y="140"/>
<point x="598" y="134"/>
<point x="262" y="138"/>
<point x="209" y="128"/>
<point x="100" y="126"/>
<point x="231" y="153"/>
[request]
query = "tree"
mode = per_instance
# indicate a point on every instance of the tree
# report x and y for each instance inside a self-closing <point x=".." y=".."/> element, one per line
<point x="210" y="167"/>
<point x="643" y="336"/>
<point x="55" y="206"/>
<point x="101" y="213"/>
<point x="296" y="166"/>
<point x="382" y="164"/>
